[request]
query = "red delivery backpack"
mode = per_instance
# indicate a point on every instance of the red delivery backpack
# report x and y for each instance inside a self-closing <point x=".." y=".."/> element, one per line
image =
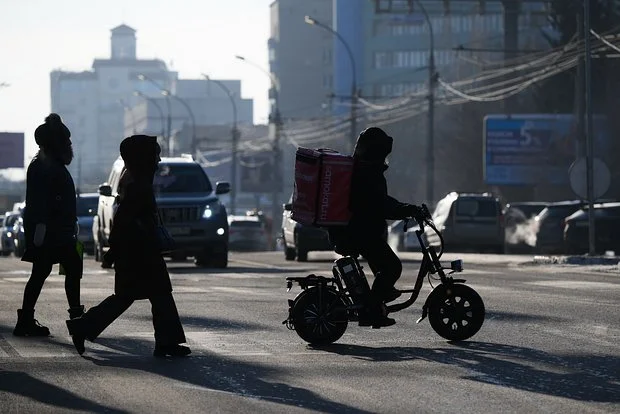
<point x="322" y="187"/>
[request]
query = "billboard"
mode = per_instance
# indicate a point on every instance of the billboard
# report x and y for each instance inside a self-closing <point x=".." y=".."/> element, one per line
<point x="534" y="148"/>
<point x="11" y="150"/>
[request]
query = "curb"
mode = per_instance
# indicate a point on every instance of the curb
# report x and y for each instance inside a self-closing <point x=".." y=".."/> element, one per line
<point x="578" y="260"/>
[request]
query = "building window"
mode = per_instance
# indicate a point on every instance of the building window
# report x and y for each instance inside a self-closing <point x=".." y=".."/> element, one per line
<point x="382" y="60"/>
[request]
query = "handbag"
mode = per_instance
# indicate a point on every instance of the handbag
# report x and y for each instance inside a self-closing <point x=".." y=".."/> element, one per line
<point x="165" y="242"/>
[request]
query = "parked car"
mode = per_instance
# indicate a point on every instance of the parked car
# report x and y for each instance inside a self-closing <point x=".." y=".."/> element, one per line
<point x="606" y="229"/>
<point x="19" y="237"/>
<point x="6" y="233"/>
<point x="521" y="226"/>
<point x="469" y="220"/>
<point x="550" y="226"/>
<point x="403" y="241"/>
<point x="299" y="239"/>
<point x="247" y="233"/>
<point x="188" y="205"/>
<point x="86" y="209"/>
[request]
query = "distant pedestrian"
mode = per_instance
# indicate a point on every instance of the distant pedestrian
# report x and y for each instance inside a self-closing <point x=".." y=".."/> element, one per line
<point x="50" y="224"/>
<point x="140" y="270"/>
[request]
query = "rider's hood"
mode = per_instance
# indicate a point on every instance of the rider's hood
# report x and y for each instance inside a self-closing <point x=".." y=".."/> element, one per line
<point x="373" y="145"/>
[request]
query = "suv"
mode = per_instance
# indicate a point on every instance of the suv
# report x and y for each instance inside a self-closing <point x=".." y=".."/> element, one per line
<point x="188" y="205"/>
<point x="469" y="220"/>
<point x="299" y="239"/>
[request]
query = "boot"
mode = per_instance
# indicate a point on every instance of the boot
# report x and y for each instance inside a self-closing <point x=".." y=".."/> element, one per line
<point x="76" y="311"/>
<point x="162" y="351"/>
<point x="76" y="330"/>
<point x="27" y="325"/>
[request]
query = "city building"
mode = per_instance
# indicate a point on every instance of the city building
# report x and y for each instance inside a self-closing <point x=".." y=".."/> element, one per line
<point x="300" y="57"/>
<point x="390" y="40"/>
<point x="122" y="95"/>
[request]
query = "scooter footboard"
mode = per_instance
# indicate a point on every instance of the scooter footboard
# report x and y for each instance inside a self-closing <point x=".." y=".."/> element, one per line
<point x="308" y="281"/>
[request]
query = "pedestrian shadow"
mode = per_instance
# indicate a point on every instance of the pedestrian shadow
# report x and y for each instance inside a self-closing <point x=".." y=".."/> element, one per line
<point x="579" y="377"/>
<point x="21" y="383"/>
<point x="210" y="372"/>
<point x="211" y="323"/>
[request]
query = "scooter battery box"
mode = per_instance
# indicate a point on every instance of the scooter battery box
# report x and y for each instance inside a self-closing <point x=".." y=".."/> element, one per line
<point x="322" y="187"/>
<point x="354" y="279"/>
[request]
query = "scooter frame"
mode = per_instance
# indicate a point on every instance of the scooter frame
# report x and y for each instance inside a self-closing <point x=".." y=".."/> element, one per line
<point x="455" y="310"/>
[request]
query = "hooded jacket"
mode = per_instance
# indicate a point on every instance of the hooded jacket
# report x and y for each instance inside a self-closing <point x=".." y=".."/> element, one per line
<point x="140" y="270"/>
<point x="370" y="203"/>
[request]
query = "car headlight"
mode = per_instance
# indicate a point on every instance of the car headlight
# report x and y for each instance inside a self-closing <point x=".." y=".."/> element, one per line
<point x="9" y="234"/>
<point x="211" y="210"/>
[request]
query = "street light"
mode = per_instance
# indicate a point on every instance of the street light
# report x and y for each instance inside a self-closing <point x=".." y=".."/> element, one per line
<point x="274" y="118"/>
<point x="143" y="77"/>
<point x="430" y="147"/>
<point x="161" y="112"/>
<point x="354" y="93"/>
<point x="234" y="143"/>
<point x="167" y="93"/>
<point x="133" y="119"/>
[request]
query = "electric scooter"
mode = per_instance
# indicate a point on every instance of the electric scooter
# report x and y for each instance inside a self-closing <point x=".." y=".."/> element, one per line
<point x="320" y="313"/>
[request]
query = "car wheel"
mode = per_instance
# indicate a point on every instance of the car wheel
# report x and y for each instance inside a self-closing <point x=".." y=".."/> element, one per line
<point x="289" y="253"/>
<point x="220" y="261"/>
<point x="201" y="260"/>
<point x="178" y="257"/>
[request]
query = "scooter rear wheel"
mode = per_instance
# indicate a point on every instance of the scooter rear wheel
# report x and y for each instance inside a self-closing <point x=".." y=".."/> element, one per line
<point x="319" y="317"/>
<point x="456" y="312"/>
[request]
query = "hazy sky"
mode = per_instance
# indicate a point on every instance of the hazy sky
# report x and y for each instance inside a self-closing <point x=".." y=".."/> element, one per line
<point x="191" y="36"/>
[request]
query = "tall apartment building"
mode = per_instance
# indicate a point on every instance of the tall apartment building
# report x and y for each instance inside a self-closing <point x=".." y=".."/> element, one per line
<point x="300" y="57"/>
<point x="103" y="105"/>
<point x="390" y="39"/>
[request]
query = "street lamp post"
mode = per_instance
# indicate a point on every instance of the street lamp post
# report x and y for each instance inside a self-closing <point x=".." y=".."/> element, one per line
<point x="276" y="121"/>
<point x="167" y="93"/>
<point x="430" y="147"/>
<point x="234" y="143"/>
<point x="143" y="77"/>
<point x="354" y="92"/>
<point x="161" y="112"/>
<point x="133" y="119"/>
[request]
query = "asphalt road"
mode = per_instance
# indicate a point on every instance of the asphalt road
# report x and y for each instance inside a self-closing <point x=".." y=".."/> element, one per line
<point x="549" y="344"/>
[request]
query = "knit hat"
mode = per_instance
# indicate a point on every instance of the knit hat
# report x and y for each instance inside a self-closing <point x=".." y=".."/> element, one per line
<point x="52" y="132"/>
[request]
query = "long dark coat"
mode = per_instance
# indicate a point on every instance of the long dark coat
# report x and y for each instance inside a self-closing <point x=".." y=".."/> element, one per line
<point x="50" y="200"/>
<point x="140" y="268"/>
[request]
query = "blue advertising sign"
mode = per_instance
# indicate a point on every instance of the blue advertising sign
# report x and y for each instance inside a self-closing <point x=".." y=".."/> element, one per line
<point x="534" y="148"/>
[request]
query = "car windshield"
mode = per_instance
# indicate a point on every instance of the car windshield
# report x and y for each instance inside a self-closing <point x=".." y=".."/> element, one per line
<point x="86" y="206"/>
<point x="473" y="207"/>
<point x="181" y="178"/>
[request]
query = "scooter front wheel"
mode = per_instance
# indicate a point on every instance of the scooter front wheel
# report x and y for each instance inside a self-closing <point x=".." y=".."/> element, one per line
<point x="456" y="312"/>
<point x="319" y="316"/>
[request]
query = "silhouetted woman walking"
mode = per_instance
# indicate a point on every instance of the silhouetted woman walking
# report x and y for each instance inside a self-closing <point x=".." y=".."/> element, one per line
<point x="140" y="270"/>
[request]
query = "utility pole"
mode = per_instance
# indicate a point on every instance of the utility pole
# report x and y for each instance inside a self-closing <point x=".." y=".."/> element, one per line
<point x="276" y="173"/>
<point x="432" y="80"/>
<point x="589" y="126"/>
<point x="511" y="40"/>
<point x="580" y="101"/>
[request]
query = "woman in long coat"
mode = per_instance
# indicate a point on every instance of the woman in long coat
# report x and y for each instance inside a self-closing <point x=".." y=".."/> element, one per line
<point x="140" y="270"/>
